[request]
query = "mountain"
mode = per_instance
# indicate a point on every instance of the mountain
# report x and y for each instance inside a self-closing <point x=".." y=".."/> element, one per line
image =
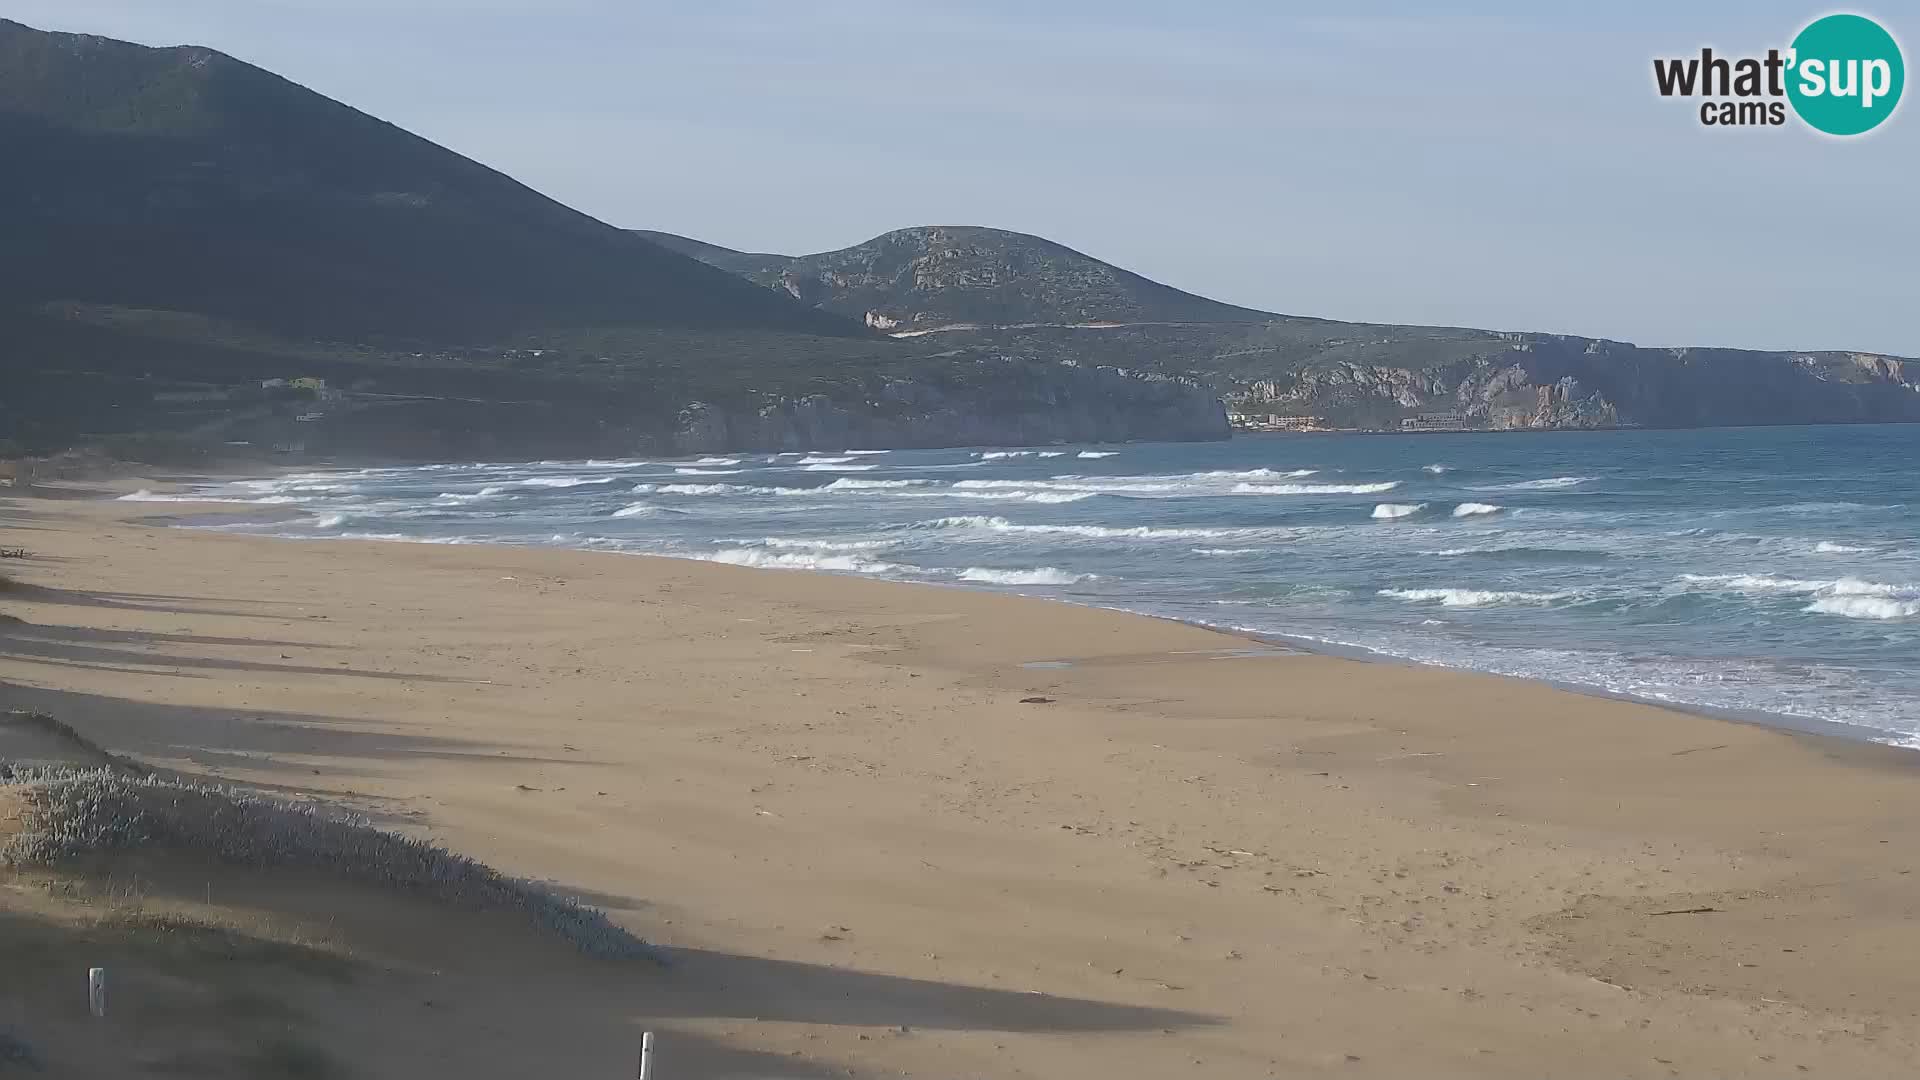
<point x="185" y="180"/>
<point x="182" y="232"/>
<point x="1022" y="295"/>
<point x="941" y="275"/>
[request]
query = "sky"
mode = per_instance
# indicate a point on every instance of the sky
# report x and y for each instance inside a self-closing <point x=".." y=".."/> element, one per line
<point x="1506" y="166"/>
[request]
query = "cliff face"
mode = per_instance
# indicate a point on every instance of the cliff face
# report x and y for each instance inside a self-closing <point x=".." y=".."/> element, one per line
<point x="1003" y="402"/>
<point x="1558" y="382"/>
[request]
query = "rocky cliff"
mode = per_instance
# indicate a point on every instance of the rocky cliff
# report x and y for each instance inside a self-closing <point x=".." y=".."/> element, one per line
<point x="1544" y="381"/>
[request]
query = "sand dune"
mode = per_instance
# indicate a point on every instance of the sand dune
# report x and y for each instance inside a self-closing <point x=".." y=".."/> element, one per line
<point x="828" y="801"/>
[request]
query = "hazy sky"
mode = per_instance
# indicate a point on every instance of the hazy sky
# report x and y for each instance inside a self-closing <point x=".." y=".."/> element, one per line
<point x="1504" y="166"/>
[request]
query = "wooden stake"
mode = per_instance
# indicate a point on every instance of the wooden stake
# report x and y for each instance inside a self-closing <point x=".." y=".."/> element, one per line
<point x="97" y="991"/>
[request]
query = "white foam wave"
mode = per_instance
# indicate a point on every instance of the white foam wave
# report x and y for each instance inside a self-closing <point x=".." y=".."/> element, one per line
<point x="964" y="521"/>
<point x="868" y="453"/>
<point x="1392" y="511"/>
<point x="1090" y="532"/>
<point x="460" y="498"/>
<point x="790" y="543"/>
<point x="1257" y="474"/>
<point x="1071" y="483"/>
<point x="1772" y="583"/>
<point x="716" y="461"/>
<point x="1315" y="489"/>
<point x="709" y="472"/>
<point x="716" y="489"/>
<point x="636" y="510"/>
<point x="1437" y="469"/>
<point x="1041" y="575"/>
<point x="1473" y="597"/>
<point x="822" y="466"/>
<point x="1473" y="509"/>
<point x="854" y="483"/>
<point x="1096" y="453"/>
<point x="789" y="560"/>
<point x="557" y="482"/>
<point x="329" y="521"/>
<point x="1828" y="547"/>
<point x="825" y="460"/>
<point x="1551" y="483"/>
<point x="1228" y="551"/>
<point x="1049" y="497"/>
<point x="1865" y="607"/>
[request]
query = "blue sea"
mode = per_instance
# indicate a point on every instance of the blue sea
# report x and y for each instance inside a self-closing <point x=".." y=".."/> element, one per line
<point x="1772" y="572"/>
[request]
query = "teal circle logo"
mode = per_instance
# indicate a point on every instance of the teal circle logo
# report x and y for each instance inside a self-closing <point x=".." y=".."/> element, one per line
<point x="1845" y="75"/>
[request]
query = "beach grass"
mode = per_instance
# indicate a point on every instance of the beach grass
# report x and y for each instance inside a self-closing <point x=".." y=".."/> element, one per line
<point x="69" y="813"/>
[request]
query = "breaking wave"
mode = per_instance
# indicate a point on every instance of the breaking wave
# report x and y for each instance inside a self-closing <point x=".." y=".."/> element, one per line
<point x="1041" y="575"/>
<point x="1473" y="597"/>
<point x="1551" y="483"/>
<point x="1474" y="509"/>
<point x="1392" y="511"/>
<point x="1865" y="607"/>
<point x="1315" y="489"/>
<point x="786" y="560"/>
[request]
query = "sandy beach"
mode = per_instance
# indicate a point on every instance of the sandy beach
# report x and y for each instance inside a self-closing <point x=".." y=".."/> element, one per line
<point x="903" y="830"/>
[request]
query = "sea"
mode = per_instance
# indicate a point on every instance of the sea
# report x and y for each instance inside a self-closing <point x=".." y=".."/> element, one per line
<point x="1768" y="573"/>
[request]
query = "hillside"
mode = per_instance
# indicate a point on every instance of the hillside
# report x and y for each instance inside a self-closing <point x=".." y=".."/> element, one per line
<point x="182" y="179"/>
<point x="1005" y="291"/>
<point x="938" y="275"/>
<point x="181" y="227"/>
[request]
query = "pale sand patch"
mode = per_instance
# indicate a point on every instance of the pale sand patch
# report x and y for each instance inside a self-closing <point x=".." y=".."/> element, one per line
<point x="829" y="794"/>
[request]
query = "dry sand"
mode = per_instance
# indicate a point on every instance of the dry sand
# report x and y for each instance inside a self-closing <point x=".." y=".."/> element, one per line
<point x="870" y="857"/>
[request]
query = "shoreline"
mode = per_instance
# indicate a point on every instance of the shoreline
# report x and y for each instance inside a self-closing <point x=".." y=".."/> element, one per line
<point x="855" y="811"/>
<point x="1802" y="725"/>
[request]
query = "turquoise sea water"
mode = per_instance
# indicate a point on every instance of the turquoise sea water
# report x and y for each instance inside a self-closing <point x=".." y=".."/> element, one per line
<point x="1770" y="571"/>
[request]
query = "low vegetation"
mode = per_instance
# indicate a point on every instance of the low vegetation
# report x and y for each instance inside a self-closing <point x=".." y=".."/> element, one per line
<point x="68" y="813"/>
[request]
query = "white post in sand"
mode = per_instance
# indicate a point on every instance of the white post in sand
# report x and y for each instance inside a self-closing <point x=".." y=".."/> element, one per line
<point x="646" y="1055"/>
<point x="97" y="991"/>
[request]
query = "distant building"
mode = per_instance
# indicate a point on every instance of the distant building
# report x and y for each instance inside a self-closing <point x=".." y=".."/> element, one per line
<point x="1436" y="421"/>
<point x="309" y="383"/>
<point x="1265" y="422"/>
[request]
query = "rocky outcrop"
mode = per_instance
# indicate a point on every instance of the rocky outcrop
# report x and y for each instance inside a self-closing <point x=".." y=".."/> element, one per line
<point x="1546" y="381"/>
